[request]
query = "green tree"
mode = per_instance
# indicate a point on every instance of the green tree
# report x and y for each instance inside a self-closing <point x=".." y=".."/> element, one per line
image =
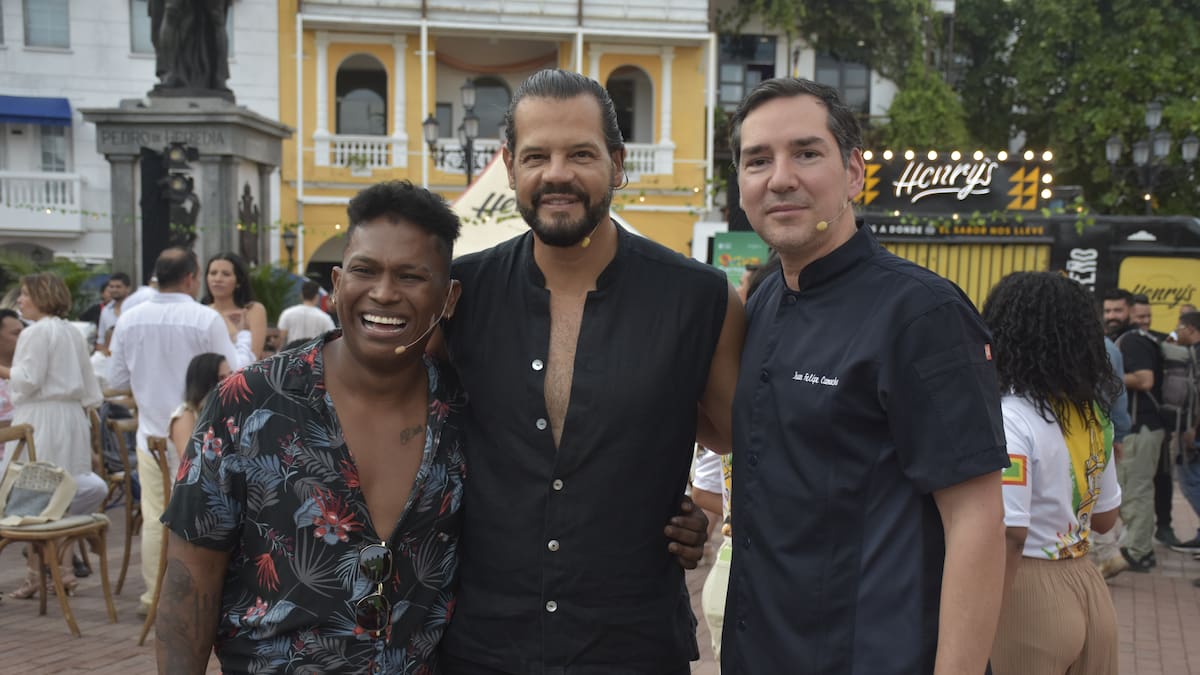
<point x="1068" y="74"/>
<point x="925" y="114"/>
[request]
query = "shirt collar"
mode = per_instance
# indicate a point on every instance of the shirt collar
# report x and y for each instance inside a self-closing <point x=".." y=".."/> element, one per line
<point x="860" y="247"/>
<point x="607" y="276"/>
<point x="172" y="297"/>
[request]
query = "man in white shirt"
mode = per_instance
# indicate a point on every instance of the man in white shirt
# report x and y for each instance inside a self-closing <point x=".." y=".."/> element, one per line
<point x="118" y="289"/>
<point x="306" y="320"/>
<point x="141" y="295"/>
<point x="151" y="348"/>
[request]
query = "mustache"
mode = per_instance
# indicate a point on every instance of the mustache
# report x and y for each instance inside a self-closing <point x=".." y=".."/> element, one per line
<point x="558" y="189"/>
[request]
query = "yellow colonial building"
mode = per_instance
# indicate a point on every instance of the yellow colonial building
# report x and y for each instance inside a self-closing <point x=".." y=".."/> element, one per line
<point x="366" y="82"/>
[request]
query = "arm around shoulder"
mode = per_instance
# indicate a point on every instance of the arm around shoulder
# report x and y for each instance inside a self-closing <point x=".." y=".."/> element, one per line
<point x="715" y="429"/>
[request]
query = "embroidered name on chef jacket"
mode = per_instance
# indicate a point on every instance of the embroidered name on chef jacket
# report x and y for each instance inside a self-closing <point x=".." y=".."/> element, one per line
<point x="813" y="378"/>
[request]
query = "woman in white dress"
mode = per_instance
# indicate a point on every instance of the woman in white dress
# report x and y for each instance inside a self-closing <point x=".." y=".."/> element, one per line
<point x="51" y="382"/>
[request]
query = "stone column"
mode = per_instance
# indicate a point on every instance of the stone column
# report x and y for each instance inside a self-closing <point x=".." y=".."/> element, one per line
<point x="216" y="224"/>
<point x="668" y="57"/>
<point x="126" y="233"/>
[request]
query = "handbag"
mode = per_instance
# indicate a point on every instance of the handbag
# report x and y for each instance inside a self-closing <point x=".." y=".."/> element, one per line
<point x="35" y="492"/>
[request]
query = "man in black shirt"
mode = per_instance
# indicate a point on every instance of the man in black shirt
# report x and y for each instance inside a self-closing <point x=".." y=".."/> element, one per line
<point x="592" y="359"/>
<point x="1143" y="447"/>
<point x="867" y="508"/>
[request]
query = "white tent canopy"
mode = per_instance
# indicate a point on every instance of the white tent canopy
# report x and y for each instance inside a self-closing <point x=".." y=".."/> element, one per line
<point x="488" y="210"/>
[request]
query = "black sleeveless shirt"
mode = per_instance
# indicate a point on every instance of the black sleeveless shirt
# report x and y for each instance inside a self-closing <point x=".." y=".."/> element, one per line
<point x="564" y="563"/>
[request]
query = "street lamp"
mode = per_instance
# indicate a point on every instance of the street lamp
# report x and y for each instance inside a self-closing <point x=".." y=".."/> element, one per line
<point x="1150" y="153"/>
<point x="464" y="156"/>
<point x="289" y="243"/>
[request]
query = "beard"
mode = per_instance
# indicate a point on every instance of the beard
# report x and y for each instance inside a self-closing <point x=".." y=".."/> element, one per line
<point x="561" y="231"/>
<point x="1114" y="327"/>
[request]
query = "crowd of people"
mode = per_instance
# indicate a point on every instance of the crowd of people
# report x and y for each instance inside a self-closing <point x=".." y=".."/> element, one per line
<point x="480" y="470"/>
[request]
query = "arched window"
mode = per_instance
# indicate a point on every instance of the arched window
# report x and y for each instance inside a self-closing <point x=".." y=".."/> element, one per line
<point x="633" y="96"/>
<point x="491" y="102"/>
<point x="362" y="96"/>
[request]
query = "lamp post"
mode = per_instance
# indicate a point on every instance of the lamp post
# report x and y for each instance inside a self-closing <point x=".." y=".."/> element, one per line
<point x="1150" y="153"/>
<point x="289" y="243"/>
<point x="468" y="131"/>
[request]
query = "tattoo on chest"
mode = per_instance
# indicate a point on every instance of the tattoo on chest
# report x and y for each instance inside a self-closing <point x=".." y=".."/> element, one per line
<point x="411" y="433"/>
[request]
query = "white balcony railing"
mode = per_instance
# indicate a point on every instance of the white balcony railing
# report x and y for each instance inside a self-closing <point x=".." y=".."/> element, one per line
<point x="361" y="153"/>
<point x="449" y="157"/>
<point x="374" y="152"/>
<point x="643" y="159"/>
<point x="40" y="203"/>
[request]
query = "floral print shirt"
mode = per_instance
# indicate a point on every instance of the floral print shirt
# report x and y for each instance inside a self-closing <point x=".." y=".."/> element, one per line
<point x="268" y="477"/>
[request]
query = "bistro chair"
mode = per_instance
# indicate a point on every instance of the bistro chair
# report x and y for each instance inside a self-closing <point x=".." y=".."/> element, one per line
<point x="133" y="506"/>
<point x="157" y="446"/>
<point x="48" y="540"/>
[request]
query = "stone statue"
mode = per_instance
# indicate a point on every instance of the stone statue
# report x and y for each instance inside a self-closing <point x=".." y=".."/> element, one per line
<point x="248" y="224"/>
<point x="190" y="47"/>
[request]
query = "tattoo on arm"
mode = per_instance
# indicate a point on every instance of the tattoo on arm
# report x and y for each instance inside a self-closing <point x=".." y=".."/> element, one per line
<point x="186" y="624"/>
<point x="408" y="434"/>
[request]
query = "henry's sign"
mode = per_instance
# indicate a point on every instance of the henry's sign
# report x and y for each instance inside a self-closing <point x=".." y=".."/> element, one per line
<point x="940" y="184"/>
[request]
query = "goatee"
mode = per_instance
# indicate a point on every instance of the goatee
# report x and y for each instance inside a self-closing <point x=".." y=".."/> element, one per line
<point x="561" y="231"/>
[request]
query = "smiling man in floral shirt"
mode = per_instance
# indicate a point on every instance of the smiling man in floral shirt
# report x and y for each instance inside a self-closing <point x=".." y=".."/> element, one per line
<point x="314" y="523"/>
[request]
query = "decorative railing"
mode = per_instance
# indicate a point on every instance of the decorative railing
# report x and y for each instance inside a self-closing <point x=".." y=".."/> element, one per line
<point x="372" y="152"/>
<point x="40" y="190"/>
<point x="40" y="202"/>
<point x="648" y="159"/>
<point x="449" y="156"/>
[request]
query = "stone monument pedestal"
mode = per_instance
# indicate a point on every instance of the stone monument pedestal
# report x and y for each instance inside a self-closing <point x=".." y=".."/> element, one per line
<point x="237" y="152"/>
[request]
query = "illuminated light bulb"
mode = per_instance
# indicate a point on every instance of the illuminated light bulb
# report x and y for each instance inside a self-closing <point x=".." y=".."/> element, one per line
<point x="1028" y="155"/>
<point x="1046" y="178"/>
<point x="1002" y="156"/>
<point x="887" y="155"/>
<point x="1046" y="193"/>
<point x="1047" y="156"/>
<point x="954" y="217"/>
<point x="1147" y="197"/>
<point x="956" y="155"/>
<point x="868" y="155"/>
<point x="932" y="155"/>
<point x="978" y="155"/>
<point x="909" y="154"/>
<point x="337" y="226"/>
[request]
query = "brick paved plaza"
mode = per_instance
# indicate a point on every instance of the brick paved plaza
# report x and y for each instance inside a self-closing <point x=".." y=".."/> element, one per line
<point x="1164" y="606"/>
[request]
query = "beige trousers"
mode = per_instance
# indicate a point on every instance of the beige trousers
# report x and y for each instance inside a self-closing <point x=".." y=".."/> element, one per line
<point x="1058" y="619"/>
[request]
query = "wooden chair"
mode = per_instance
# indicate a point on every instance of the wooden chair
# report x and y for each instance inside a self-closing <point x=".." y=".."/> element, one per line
<point x="46" y="540"/>
<point x="133" y="507"/>
<point x="157" y="446"/>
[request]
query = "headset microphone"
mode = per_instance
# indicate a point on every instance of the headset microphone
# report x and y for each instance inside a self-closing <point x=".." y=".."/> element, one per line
<point x="824" y="224"/>
<point x="434" y="321"/>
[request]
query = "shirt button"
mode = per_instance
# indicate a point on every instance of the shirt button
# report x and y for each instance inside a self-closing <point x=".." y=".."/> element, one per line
<point x="552" y="606"/>
<point x="537" y="364"/>
<point x="789" y="299"/>
<point x="552" y="545"/>
<point x="745" y="541"/>
<point x="541" y="424"/>
<point x="764" y="376"/>
<point x="741" y="624"/>
<point x="557" y="484"/>
<point x="753" y="461"/>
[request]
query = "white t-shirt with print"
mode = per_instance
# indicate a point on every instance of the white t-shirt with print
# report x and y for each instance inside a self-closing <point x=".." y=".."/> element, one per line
<point x="1055" y="484"/>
